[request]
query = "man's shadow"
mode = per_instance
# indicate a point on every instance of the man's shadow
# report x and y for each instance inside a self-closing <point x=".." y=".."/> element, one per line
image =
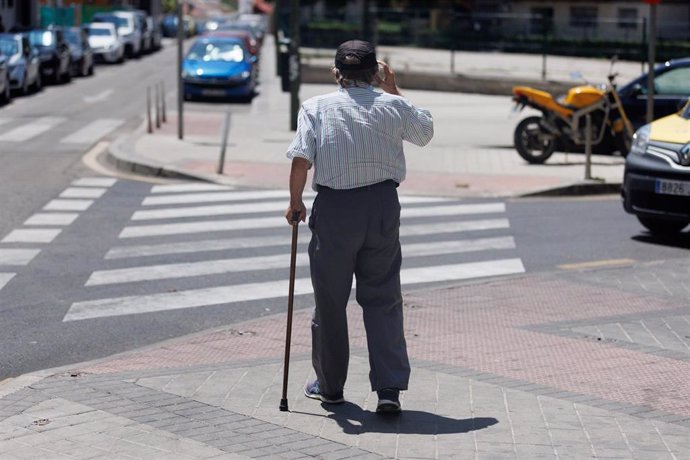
<point x="354" y="420"/>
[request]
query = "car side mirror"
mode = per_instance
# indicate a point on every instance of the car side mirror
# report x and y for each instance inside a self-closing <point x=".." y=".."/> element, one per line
<point x="638" y="90"/>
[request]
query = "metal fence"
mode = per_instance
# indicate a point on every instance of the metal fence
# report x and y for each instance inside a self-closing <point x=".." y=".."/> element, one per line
<point x="578" y="36"/>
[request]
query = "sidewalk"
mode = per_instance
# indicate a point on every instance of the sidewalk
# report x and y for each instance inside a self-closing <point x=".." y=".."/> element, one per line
<point x="559" y="366"/>
<point x="456" y="163"/>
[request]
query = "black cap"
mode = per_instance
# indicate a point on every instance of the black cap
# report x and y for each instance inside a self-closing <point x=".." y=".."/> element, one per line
<point x="355" y="55"/>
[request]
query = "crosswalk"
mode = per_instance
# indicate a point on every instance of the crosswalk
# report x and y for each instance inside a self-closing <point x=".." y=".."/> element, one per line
<point x="227" y="246"/>
<point x="21" y="130"/>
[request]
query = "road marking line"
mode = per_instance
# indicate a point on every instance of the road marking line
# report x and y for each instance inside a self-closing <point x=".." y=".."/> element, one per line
<point x="5" y="278"/>
<point x="52" y="218"/>
<point x="31" y="236"/>
<point x="266" y="222"/>
<point x="83" y="192"/>
<point x="17" y="256"/>
<point x="274" y="289"/>
<point x="244" y="264"/>
<point x="103" y="95"/>
<point x="459" y="246"/>
<point x="453" y="210"/>
<point x="31" y="129"/>
<point x="223" y="244"/>
<point x="93" y="131"/>
<point x="597" y="264"/>
<point x="215" y="197"/>
<point x="216" y="210"/>
<point x="187" y="198"/>
<point x="186" y="188"/>
<point x="94" y="182"/>
<point x="68" y="205"/>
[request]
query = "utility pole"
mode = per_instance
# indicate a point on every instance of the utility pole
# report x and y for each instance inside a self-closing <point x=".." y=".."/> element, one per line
<point x="651" y="58"/>
<point x="180" y="82"/>
<point x="294" y="67"/>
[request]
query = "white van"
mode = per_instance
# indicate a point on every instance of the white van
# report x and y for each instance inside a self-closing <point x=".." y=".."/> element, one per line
<point x="127" y="29"/>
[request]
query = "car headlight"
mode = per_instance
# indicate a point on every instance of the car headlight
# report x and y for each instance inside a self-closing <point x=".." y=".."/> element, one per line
<point x="245" y="74"/>
<point x="16" y="70"/>
<point x="640" y="140"/>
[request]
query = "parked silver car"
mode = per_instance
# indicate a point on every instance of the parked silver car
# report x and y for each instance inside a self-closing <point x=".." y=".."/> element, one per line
<point x="105" y="42"/>
<point x="24" y="62"/>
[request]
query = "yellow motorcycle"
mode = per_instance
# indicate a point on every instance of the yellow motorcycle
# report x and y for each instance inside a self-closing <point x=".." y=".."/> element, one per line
<point x="563" y="124"/>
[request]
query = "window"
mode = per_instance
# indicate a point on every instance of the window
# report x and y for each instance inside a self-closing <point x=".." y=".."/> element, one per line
<point x="583" y="16"/>
<point x="676" y="81"/>
<point x="627" y="18"/>
<point x="541" y="20"/>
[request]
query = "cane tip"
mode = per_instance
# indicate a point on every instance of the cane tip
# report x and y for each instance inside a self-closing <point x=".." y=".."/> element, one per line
<point x="283" y="405"/>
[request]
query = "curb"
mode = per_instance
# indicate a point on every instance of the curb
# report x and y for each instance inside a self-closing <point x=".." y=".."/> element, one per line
<point x="590" y="187"/>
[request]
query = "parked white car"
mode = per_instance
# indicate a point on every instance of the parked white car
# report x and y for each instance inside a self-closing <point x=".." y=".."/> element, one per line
<point x="105" y="42"/>
<point x="127" y="28"/>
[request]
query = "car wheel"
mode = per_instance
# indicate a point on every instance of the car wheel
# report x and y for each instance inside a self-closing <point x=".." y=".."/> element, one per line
<point x="662" y="227"/>
<point x="25" y="84"/>
<point x="38" y="83"/>
<point x="532" y="141"/>
<point x="6" y="96"/>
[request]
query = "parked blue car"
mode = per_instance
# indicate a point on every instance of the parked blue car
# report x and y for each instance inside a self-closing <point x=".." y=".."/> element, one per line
<point x="24" y="62"/>
<point x="219" y="67"/>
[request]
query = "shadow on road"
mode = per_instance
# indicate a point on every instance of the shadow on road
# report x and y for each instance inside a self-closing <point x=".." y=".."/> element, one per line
<point x="354" y="420"/>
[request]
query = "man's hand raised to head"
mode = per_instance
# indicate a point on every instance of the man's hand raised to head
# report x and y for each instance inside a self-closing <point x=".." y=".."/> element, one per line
<point x="387" y="83"/>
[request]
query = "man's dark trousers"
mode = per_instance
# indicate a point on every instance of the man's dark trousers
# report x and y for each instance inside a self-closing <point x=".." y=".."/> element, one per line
<point x="356" y="232"/>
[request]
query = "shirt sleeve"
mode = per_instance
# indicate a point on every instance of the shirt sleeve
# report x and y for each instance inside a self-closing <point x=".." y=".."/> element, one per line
<point x="304" y="143"/>
<point x="419" y="128"/>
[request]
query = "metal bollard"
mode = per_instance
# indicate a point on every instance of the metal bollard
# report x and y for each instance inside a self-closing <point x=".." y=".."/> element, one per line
<point x="157" y="102"/>
<point x="163" y="117"/>
<point x="223" y="144"/>
<point x="148" y="110"/>
<point x="588" y="147"/>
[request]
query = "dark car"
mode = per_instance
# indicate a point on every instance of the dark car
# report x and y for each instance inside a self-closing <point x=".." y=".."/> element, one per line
<point x="671" y="89"/>
<point x="656" y="184"/>
<point x="54" y="52"/>
<point x="82" y="54"/>
<point x="24" y="63"/>
<point x="219" y="67"/>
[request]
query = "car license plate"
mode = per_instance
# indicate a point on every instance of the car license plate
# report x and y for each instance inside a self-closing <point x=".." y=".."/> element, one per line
<point x="213" y="92"/>
<point x="672" y="187"/>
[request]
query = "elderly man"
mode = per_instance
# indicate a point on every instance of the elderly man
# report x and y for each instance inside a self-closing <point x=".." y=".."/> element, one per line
<point x="353" y="138"/>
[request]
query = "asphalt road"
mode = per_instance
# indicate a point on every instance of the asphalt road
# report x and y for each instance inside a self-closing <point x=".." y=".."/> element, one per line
<point x="133" y="263"/>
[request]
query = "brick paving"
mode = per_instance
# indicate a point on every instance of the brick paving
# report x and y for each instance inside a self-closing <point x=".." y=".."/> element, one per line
<point x="567" y="365"/>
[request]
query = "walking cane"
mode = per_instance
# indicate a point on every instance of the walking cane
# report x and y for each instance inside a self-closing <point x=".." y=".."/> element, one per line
<point x="291" y="296"/>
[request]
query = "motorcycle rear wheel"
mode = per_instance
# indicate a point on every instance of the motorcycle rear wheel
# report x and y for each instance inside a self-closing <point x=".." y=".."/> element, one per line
<point x="532" y="141"/>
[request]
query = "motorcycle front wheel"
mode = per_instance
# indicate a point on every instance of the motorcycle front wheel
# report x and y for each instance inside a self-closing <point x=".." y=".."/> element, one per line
<point x="532" y="141"/>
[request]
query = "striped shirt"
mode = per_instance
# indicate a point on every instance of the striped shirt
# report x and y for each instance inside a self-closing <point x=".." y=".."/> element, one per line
<point x="354" y="136"/>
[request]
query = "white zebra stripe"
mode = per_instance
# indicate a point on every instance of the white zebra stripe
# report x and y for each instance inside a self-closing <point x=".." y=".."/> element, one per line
<point x="93" y="131"/>
<point x="31" y="129"/>
<point x="266" y="222"/>
<point x="12" y="256"/>
<point x="5" y="278"/>
<point x="42" y="235"/>
<point x="52" y="218"/>
<point x="223" y="244"/>
<point x="230" y="196"/>
<point x="94" y="182"/>
<point x="217" y="210"/>
<point x="185" y="188"/>
<point x="83" y="192"/>
<point x="221" y="266"/>
<point x="246" y="292"/>
<point x="68" y="205"/>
